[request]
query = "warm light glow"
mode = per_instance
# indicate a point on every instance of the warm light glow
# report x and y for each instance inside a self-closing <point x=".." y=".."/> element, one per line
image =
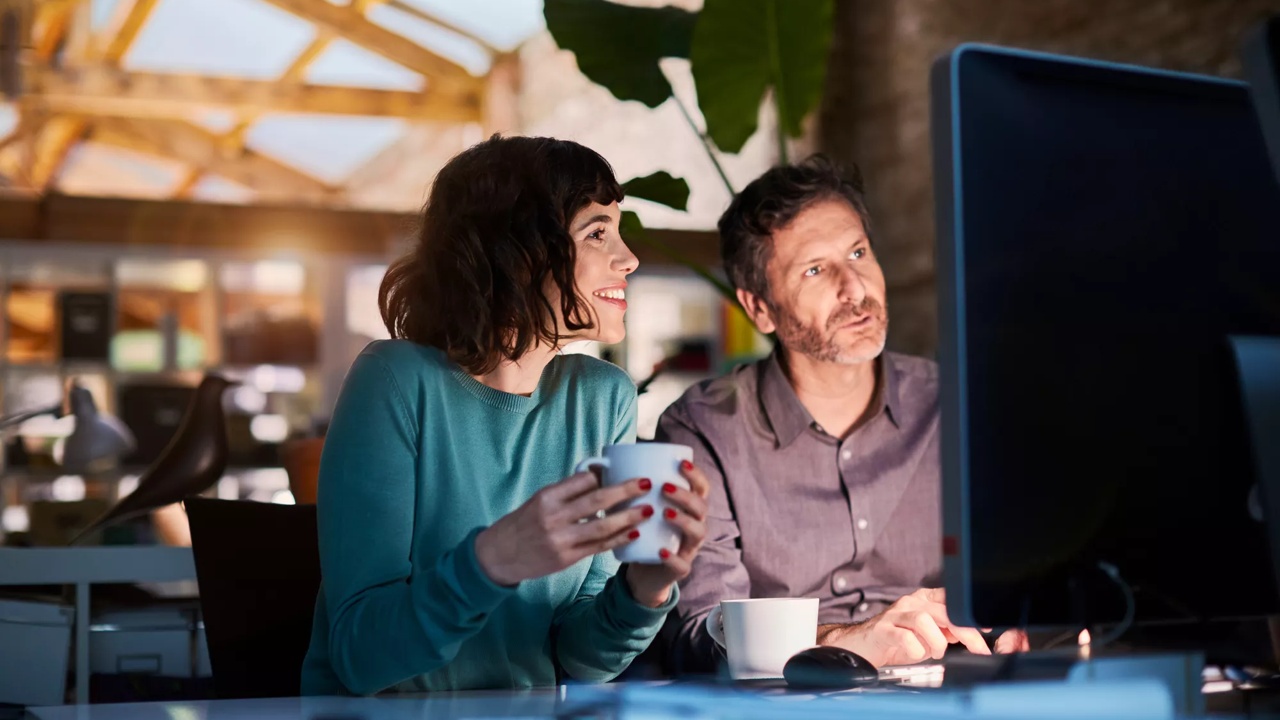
<point x="249" y="399"/>
<point x="1084" y="638"/>
<point x="127" y="484"/>
<point x="1218" y="686"/>
<point x="363" y="316"/>
<point x="278" y="276"/>
<point x="269" y="428"/>
<point x="265" y="478"/>
<point x="275" y="277"/>
<point x="15" y="519"/>
<point x="179" y="275"/>
<point x="182" y="712"/>
<point x="67" y="488"/>
<point x="228" y="488"/>
<point x="283" y="497"/>
<point x="277" y="378"/>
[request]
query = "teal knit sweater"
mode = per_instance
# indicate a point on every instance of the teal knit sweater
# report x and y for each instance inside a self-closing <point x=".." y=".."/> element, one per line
<point x="418" y="459"/>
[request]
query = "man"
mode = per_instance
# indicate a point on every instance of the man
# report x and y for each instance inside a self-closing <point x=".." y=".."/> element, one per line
<point x="823" y="458"/>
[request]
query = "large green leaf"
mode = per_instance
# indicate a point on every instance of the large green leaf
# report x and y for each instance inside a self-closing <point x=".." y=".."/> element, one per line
<point x="743" y="47"/>
<point x="619" y="46"/>
<point x="634" y="231"/>
<point x="660" y="187"/>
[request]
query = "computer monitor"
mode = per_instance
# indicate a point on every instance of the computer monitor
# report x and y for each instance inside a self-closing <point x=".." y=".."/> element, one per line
<point x="1261" y="60"/>
<point x="1102" y="230"/>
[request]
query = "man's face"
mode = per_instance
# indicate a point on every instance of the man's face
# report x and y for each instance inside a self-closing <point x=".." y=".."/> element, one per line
<point x="827" y="298"/>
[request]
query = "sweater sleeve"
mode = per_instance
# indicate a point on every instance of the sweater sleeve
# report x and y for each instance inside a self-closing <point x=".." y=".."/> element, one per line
<point x="392" y="613"/>
<point x="605" y="628"/>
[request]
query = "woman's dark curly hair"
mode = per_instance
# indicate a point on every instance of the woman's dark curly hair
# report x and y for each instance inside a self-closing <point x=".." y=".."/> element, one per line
<point x="494" y="232"/>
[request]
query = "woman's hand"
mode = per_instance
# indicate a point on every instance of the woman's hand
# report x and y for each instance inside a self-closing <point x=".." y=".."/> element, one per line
<point x="545" y="534"/>
<point x="651" y="584"/>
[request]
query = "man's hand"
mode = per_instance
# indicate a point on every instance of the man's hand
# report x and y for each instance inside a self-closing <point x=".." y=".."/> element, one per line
<point x="913" y="629"/>
<point x="1012" y="641"/>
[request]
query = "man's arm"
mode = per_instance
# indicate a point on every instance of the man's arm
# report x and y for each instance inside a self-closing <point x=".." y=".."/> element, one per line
<point x="718" y="572"/>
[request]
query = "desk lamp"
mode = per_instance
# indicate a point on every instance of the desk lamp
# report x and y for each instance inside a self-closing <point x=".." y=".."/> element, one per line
<point x="98" y="440"/>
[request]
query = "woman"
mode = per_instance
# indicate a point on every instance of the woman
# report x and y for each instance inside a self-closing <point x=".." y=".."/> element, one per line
<point x="453" y="555"/>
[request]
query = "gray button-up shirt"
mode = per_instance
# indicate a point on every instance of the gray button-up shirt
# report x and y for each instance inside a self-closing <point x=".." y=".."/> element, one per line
<point x="795" y="512"/>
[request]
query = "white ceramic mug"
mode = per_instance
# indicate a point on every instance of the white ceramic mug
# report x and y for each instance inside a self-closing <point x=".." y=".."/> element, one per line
<point x="660" y="462"/>
<point x="759" y="635"/>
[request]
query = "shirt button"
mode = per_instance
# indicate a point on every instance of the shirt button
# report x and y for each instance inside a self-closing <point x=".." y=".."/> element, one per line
<point x="864" y="607"/>
<point x="842" y="582"/>
<point x="846" y="454"/>
<point x="862" y="523"/>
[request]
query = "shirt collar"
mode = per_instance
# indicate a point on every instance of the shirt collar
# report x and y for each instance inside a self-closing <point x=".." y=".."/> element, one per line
<point x="789" y="418"/>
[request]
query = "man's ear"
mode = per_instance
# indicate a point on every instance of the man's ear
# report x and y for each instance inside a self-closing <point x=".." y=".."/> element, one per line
<point x="758" y="310"/>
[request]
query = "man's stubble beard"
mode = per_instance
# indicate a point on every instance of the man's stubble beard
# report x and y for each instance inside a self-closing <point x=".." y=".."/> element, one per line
<point x="820" y="345"/>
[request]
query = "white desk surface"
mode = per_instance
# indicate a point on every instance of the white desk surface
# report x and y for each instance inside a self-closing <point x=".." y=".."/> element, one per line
<point x="1130" y="700"/>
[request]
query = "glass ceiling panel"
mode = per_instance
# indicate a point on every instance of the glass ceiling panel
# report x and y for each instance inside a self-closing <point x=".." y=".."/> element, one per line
<point x="100" y="13"/>
<point x="442" y="42"/>
<point x="233" y="38"/>
<point x="96" y="169"/>
<point x="329" y="147"/>
<point x="345" y="63"/>
<point x="503" y="24"/>
<point x="8" y="118"/>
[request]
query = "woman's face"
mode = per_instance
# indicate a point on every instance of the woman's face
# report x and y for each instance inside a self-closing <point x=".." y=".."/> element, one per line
<point x="604" y="262"/>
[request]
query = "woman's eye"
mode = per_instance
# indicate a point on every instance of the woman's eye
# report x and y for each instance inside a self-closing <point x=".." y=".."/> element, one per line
<point x="858" y="254"/>
<point x="813" y="271"/>
<point x="597" y="236"/>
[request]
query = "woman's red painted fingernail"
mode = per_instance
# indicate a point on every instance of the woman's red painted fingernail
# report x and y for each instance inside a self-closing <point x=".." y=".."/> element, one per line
<point x="633" y="534"/>
<point x="685" y="465"/>
<point x="645" y="484"/>
<point x="668" y="488"/>
<point x="647" y="511"/>
<point x="664" y="553"/>
<point x="670" y="514"/>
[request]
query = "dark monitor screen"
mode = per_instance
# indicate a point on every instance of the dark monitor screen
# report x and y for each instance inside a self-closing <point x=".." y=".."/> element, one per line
<point x="1102" y="230"/>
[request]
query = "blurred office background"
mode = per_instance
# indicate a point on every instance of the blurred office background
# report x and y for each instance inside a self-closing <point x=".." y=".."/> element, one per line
<point x="176" y="195"/>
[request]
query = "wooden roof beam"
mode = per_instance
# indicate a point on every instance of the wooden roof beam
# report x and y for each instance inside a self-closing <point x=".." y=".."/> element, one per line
<point x="349" y="23"/>
<point x="50" y="157"/>
<point x="101" y="90"/>
<point x="127" y="28"/>
<point x="193" y="144"/>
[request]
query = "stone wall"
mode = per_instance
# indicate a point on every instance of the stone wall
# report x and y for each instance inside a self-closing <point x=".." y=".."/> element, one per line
<point x="876" y="105"/>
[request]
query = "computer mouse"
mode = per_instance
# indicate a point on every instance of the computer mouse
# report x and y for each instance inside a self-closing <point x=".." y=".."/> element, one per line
<point x="829" y="668"/>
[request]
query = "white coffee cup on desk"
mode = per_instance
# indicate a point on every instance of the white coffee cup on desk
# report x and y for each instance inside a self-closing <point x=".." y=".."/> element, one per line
<point x="759" y="635"/>
<point x="660" y="463"/>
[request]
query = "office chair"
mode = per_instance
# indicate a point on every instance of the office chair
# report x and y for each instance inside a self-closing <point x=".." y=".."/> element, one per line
<point x="258" y="567"/>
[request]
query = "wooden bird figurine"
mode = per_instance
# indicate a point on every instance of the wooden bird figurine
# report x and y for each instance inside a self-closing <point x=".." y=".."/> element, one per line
<point x="193" y="460"/>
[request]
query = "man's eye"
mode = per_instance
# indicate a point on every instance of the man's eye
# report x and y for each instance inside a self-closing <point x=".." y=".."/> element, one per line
<point x="858" y="253"/>
<point x="811" y="272"/>
<point x="598" y="235"/>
